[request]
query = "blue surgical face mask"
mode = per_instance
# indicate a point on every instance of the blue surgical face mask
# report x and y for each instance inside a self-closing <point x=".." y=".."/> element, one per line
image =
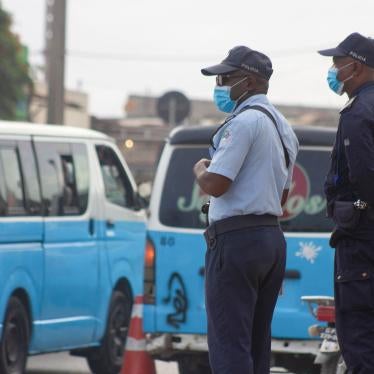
<point x="222" y="97"/>
<point x="223" y="100"/>
<point x="332" y="78"/>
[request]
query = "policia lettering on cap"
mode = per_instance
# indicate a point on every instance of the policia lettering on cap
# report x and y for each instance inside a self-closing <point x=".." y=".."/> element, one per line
<point x="349" y="190"/>
<point x="252" y="157"/>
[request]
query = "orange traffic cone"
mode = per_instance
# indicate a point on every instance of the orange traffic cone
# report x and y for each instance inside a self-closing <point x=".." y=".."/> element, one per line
<point x="136" y="359"/>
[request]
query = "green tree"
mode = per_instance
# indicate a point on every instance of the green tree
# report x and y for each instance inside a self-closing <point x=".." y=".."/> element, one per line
<point x="15" y="80"/>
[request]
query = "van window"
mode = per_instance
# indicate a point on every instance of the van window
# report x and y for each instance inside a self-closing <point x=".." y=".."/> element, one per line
<point x="82" y="175"/>
<point x="12" y="187"/>
<point x="181" y="197"/>
<point x="30" y="176"/>
<point x="3" y="205"/>
<point x="19" y="185"/>
<point x="64" y="177"/>
<point x="304" y="211"/>
<point x="118" y="188"/>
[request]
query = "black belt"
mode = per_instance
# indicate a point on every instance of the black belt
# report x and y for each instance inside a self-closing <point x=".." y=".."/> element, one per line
<point x="239" y="222"/>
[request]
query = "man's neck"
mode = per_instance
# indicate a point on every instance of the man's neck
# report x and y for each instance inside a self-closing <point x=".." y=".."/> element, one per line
<point x="250" y="94"/>
<point x="352" y="91"/>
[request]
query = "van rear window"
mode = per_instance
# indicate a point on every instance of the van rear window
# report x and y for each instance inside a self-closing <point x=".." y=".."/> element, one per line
<point x="304" y="211"/>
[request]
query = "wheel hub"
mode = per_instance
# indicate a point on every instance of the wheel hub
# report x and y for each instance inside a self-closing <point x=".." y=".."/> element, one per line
<point x="12" y="347"/>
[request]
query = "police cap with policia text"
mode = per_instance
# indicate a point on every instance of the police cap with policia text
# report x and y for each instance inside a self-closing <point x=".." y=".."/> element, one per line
<point x="242" y="58"/>
<point x="356" y="46"/>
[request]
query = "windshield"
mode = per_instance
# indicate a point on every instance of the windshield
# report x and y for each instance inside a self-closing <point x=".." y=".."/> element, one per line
<point x="304" y="211"/>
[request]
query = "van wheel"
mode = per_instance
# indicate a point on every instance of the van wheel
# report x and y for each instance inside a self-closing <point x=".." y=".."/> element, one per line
<point x="15" y="340"/>
<point x="107" y="359"/>
<point x="194" y="364"/>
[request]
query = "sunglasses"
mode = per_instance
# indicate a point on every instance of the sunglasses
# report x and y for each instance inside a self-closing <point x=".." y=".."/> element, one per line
<point x="222" y="80"/>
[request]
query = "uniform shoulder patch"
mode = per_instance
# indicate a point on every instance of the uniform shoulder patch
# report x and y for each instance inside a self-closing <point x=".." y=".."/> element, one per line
<point x="348" y="104"/>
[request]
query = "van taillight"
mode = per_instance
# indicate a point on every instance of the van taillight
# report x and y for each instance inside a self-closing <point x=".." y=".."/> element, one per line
<point x="149" y="273"/>
<point x="325" y="313"/>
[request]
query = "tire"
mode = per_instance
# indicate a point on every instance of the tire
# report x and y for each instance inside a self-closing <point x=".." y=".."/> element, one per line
<point x="14" y="343"/>
<point x="108" y="358"/>
<point x="194" y="364"/>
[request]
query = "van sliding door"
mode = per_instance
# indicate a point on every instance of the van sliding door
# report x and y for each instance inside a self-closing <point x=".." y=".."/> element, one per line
<point x="71" y="266"/>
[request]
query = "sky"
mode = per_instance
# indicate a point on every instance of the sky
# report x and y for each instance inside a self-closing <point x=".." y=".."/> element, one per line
<point x="115" y="48"/>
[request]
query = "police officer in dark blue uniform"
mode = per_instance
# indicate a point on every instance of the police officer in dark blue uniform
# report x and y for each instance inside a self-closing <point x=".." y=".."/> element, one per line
<point x="349" y="190"/>
<point x="248" y="178"/>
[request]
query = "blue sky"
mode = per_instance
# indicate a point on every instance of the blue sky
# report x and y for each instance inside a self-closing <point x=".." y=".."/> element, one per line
<point x="116" y="48"/>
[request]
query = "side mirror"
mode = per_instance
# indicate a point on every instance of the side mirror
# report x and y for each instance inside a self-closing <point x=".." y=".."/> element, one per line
<point x="144" y="190"/>
<point x="140" y="202"/>
<point x="143" y="195"/>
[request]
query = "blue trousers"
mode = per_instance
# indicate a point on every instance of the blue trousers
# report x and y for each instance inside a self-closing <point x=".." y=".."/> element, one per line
<point x="354" y="299"/>
<point x="244" y="273"/>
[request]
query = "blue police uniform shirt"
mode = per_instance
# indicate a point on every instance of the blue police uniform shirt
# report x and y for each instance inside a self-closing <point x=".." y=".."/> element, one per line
<point x="250" y="153"/>
<point x="351" y="174"/>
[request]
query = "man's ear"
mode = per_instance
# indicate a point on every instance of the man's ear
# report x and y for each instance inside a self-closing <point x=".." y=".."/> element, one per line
<point x="251" y="82"/>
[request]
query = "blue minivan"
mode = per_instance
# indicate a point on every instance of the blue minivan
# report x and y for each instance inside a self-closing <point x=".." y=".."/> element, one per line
<point x="174" y="312"/>
<point x="72" y="238"/>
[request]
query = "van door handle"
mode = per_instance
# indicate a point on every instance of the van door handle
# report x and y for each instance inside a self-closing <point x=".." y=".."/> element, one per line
<point x="110" y="224"/>
<point x="292" y="274"/>
<point x="202" y="271"/>
<point x="91" y="226"/>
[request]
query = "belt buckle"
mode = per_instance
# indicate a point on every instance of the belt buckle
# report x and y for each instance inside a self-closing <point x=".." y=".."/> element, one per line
<point x="360" y="205"/>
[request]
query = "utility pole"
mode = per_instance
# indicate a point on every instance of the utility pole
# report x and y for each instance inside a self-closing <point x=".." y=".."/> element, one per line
<point x="55" y="59"/>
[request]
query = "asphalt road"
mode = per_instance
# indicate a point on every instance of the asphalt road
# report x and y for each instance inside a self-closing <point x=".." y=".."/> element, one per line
<point x="63" y="363"/>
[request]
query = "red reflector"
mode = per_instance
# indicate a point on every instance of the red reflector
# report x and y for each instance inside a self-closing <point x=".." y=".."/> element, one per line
<point x="326" y="313"/>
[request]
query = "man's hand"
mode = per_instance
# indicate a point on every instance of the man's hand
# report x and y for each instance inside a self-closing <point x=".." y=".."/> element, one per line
<point x="211" y="183"/>
<point x="200" y="167"/>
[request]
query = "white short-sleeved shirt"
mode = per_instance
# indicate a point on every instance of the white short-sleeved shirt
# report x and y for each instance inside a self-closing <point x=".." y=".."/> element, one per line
<point x="249" y="152"/>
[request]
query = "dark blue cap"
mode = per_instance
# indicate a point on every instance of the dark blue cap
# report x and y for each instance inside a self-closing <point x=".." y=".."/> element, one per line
<point x="242" y="58"/>
<point x="356" y="46"/>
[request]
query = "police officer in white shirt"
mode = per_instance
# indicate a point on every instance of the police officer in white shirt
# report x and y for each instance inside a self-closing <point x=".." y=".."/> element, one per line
<point x="248" y="178"/>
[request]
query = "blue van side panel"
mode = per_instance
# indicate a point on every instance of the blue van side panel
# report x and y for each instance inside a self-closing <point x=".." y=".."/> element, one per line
<point x="180" y="306"/>
<point x="67" y="231"/>
<point x="126" y="254"/>
<point x="149" y="318"/>
<point x="122" y="257"/>
<point x="313" y="258"/>
<point x="21" y="263"/>
<point x="16" y="232"/>
<point x="23" y="272"/>
<point x="70" y="297"/>
<point x="104" y="288"/>
<point x="73" y="273"/>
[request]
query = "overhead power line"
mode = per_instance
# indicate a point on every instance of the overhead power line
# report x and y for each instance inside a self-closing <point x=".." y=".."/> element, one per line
<point x="138" y="57"/>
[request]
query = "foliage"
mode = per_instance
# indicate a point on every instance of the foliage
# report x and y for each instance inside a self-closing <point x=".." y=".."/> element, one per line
<point x="15" y="81"/>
